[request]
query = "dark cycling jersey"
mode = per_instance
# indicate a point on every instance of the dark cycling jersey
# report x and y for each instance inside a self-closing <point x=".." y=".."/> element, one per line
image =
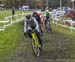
<point x="38" y="19"/>
<point x="47" y="15"/>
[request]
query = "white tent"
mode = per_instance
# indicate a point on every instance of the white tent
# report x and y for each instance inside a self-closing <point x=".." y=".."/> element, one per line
<point x="25" y="7"/>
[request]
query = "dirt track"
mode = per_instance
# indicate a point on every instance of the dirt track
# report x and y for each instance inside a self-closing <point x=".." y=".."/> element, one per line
<point x="56" y="47"/>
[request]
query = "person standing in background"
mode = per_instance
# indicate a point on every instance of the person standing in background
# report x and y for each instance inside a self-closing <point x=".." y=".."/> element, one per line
<point x="13" y="12"/>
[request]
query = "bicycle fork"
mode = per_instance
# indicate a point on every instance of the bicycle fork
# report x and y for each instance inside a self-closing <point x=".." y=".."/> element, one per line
<point x="36" y="40"/>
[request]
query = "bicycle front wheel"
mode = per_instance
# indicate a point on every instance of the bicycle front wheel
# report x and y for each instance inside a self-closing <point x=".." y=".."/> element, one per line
<point x="35" y="48"/>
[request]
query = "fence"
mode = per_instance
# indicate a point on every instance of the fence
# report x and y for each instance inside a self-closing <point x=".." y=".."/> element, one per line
<point x="59" y="20"/>
<point x="62" y="22"/>
<point x="8" y="21"/>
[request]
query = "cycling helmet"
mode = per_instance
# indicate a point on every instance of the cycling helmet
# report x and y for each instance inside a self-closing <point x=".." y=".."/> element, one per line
<point x="38" y="13"/>
<point x="34" y="13"/>
<point x="28" y="16"/>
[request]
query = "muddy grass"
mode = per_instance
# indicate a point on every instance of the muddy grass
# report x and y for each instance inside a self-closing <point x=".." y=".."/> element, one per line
<point x="57" y="47"/>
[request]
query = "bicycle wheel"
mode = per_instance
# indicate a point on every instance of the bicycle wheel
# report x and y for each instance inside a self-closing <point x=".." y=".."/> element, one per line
<point x="35" y="46"/>
<point x="48" y="27"/>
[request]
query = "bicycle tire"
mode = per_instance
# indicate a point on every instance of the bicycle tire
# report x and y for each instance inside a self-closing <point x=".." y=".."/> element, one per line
<point x="48" y="27"/>
<point x="35" y="48"/>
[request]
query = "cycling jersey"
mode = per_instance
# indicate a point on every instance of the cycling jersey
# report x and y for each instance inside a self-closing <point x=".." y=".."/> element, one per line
<point x="47" y="15"/>
<point x="28" y="24"/>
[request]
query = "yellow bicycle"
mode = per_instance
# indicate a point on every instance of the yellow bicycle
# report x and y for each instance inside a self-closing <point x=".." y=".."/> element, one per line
<point x="35" y="44"/>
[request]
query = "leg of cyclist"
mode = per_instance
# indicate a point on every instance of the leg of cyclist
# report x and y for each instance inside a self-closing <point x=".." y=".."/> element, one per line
<point x="42" y="23"/>
<point x="46" y="25"/>
<point x="41" y="31"/>
<point x="39" y="38"/>
<point x="29" y="33"/>
<point x="50" y="27"/>
<point x="38" y="35"/>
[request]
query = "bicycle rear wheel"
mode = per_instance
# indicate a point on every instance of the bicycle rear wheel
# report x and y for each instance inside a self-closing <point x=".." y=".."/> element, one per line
<point x="48" y="27"/>
<point x="35" y="48"/>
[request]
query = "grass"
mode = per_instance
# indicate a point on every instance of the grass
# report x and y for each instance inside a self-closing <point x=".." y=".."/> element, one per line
<point x="10" y="39"/>
<point x="64" y="30"/>
<point x="6" y="37"/>
<point x="14" y="47"/>
<point x="8" y="45"/>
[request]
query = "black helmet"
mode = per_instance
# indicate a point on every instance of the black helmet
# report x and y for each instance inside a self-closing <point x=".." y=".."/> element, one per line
<point x="28" y="16"/>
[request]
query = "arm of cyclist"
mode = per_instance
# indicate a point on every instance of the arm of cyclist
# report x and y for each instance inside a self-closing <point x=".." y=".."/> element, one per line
<point x="37" y="25"/>
<point x="25" y="27"/>
<point x="42" y="22"/>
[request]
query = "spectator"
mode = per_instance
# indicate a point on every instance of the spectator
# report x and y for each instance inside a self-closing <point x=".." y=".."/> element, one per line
<point x="13" y="12"/>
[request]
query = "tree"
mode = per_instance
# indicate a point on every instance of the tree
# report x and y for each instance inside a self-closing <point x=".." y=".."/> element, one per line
<point x="33" y="3"/>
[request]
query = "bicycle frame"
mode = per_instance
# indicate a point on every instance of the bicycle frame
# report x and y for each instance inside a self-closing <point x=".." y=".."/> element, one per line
<point x="36" y="40"/>
<point x="35" y="44"/>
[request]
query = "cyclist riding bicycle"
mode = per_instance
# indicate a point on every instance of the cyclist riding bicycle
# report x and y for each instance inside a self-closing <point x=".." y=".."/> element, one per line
<point x="48" y="16"/>
<point x="47" y="20"/>
<point x="30" y="24"/>
<point x="37" y="16"/>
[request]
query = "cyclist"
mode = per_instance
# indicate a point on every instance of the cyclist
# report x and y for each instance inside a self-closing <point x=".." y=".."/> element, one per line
<point x="30" y="24"/>
<point x="48" y="19"/>
<point x="37" y="16"/>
